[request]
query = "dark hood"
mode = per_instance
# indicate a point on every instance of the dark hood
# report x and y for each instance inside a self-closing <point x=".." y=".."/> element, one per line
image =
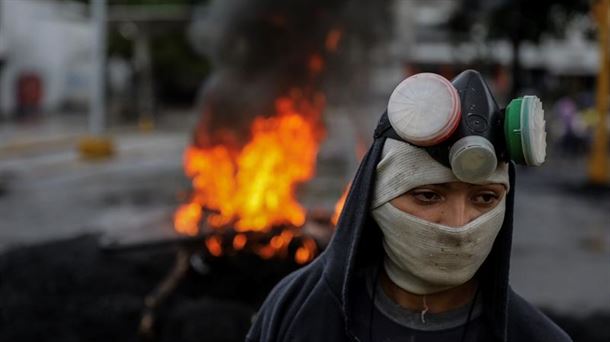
<point x="357" y="244"/>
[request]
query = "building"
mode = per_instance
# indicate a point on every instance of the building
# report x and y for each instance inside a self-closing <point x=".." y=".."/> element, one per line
<point x="47" y="43"/>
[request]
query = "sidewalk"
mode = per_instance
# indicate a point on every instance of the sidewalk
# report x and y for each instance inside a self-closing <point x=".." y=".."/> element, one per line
<point x="49" y="192"/>
<point x="52" y="131"/>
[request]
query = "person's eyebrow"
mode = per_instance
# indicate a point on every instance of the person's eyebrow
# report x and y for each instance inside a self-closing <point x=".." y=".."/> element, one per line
<point x="440" y="185"/>
<point x="445" y="185"/>
<point x="452" y="186"/>
<point x="492" y="185"/>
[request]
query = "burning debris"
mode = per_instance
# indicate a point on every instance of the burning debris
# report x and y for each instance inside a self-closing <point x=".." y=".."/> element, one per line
<point x="253" y="189"/>
<point x="261" y="124"/>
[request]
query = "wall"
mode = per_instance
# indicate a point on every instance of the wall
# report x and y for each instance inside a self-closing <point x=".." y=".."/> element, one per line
<point x="52" y="39"/>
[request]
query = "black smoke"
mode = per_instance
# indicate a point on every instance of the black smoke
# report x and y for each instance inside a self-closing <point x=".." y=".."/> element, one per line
<point x="262" y="49"/>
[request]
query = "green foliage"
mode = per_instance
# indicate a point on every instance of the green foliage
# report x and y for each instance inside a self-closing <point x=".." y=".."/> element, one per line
<point x="516" y="21"/>
<point x="528" y="20"/>
<point x="119" y="45"/>
<point x="178" y="71"/>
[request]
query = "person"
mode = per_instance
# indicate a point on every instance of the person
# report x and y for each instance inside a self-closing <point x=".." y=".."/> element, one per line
<point x="422" y="247"/>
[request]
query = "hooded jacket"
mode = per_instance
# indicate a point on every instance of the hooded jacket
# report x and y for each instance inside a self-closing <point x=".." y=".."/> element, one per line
<point x="317" y="302"/>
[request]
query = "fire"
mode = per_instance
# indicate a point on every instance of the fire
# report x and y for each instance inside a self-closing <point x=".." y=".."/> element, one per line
<point x="239" y="242"/>
<point x="332" y="40"/>
<point x="214" y="245"/>
<point x="187" y="219"/>
<point x="253" y="189"/>
<point x="306" y="252"/>
<point x="316" y="64"/>
<point x="339" y="206"/>
<point x="250" y="190"/>
<point x="360" y="152"/>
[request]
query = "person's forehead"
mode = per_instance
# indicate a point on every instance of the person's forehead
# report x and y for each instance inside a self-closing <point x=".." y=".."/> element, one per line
<point x="461" y="185"/>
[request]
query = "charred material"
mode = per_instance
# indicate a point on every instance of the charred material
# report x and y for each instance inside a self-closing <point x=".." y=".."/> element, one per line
<point x="196" y="253"/>
<point x="160" y="294"/>
<point x="70" y="291"/>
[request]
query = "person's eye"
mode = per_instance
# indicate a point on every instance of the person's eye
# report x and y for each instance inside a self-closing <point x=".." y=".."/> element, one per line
<point x="485" y="198"/>
<point x="426" y="196"/>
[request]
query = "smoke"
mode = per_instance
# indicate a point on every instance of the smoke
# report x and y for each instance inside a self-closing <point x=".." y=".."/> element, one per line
<point x="265" y="48"/>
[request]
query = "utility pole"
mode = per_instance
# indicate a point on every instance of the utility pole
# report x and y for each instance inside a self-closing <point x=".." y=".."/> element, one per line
<point x="97" y="145"/>
<point x="3" y="47"/>
<point x="97" y="119"/>
<point x="598" y="164"/>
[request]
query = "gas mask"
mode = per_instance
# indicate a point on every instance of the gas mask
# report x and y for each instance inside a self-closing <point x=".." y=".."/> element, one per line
<point x="461" y="126"/>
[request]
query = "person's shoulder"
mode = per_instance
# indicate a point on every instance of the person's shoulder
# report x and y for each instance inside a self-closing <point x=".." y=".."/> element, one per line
<point x="296" y="287"/>
<point x="527" y="323"/>
<point x="294" y="294"/>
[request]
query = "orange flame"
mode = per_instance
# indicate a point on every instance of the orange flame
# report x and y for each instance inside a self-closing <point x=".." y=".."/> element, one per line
<point x="360" y="152"/>
<point x="339" y="206"/>
<point x="332" y="40"/>
<point x="316" y="64"/>
<point x="239" y="242"/>
<point x="306" y="252"/>
<point x="214" y="245"/>
<point x="187" y="218"/>
<point x="253" y="189"/>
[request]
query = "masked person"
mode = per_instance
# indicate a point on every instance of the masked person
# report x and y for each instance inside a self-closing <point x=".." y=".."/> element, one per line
<point x="422" y="247"/>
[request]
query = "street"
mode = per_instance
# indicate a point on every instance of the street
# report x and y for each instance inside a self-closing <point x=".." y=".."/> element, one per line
<point x="561" y="245"/>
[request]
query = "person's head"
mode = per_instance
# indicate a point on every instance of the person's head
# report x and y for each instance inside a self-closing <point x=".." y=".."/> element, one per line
<point x="437" y="230"/>
<point x="440" y="185"/>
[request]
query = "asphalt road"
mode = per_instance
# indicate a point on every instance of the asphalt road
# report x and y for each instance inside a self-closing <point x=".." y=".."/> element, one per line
<point x="561" y="250"/>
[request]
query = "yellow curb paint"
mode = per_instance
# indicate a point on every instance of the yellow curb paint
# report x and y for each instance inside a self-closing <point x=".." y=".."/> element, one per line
<point x="96" y="148"/>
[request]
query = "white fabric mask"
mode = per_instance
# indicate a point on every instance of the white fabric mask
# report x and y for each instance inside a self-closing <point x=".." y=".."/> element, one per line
<point x="404" y="167"/>
<point x="424" y="257"/>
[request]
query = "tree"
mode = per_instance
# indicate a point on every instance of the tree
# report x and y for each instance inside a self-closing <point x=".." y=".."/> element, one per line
<point x="517" y="21"/>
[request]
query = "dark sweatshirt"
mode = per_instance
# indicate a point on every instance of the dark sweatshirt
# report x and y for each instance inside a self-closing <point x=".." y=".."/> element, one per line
<point x="325" y="300"/>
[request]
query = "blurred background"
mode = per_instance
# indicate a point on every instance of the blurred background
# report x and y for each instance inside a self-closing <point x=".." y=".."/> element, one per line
<point x="164" y="163"/>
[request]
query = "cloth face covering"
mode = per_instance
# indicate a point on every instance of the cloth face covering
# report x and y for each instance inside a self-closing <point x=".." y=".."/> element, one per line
<point x="424" y="257"/>
<point x="404" y="167"/>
